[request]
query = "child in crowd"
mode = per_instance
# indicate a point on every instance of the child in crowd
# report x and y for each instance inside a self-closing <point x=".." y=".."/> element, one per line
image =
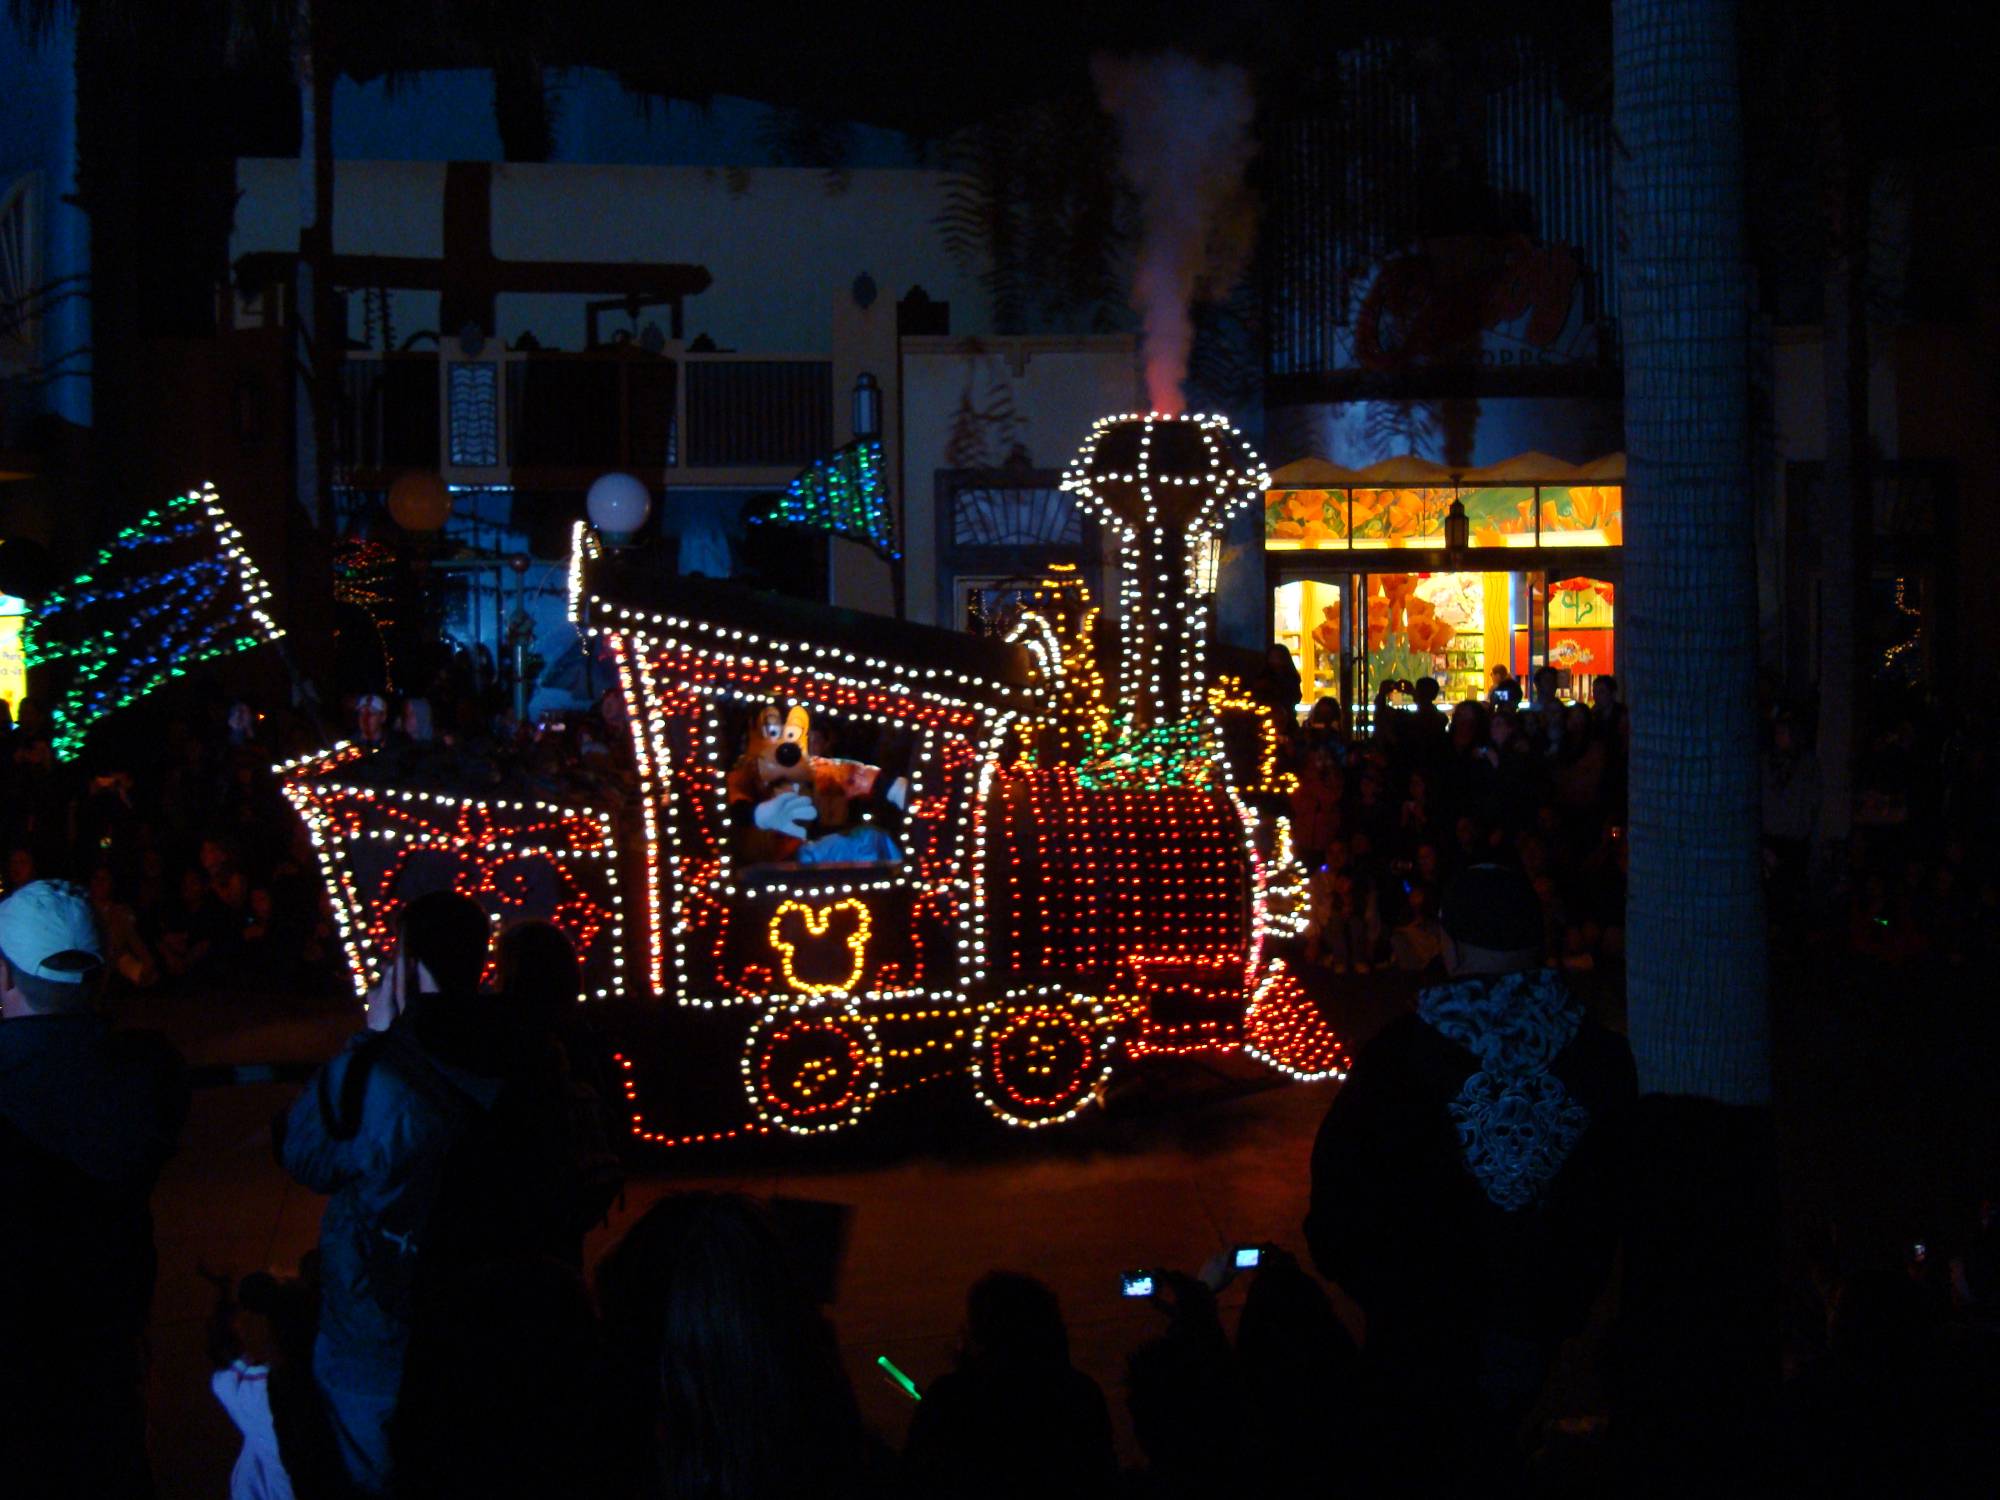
<point x="1418" y="944"/>
<point x="261" y="1333"/>
<point x="1343" y="925"/>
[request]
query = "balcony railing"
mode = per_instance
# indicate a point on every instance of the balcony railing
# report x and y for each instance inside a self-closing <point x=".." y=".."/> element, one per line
<point x="553" y="420"/>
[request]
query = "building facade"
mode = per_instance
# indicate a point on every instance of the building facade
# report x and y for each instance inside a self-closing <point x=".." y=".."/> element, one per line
<point x="700" y="320"/>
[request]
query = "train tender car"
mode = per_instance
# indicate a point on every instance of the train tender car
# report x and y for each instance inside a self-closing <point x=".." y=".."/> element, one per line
<point x="388" y="826"/>
<point x="864" y="856"/>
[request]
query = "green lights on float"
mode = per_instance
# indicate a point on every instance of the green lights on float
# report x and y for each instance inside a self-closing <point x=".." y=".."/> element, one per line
<point x="845" y="493"/>
<point x="174" y="589"/>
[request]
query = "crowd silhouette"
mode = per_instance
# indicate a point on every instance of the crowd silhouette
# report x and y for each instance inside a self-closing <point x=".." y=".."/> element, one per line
<point x="448" y="1338"/>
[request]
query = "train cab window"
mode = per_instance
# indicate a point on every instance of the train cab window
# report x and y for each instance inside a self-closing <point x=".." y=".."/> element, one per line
<point x="813" y="792"/>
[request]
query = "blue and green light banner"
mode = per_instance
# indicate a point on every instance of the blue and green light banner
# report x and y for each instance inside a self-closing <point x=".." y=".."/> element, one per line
<point x="174" y="589"/>
<point x="845" y="493"/>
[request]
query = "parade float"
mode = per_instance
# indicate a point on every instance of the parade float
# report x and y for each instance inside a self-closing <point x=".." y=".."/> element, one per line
<point x="860" y="856"/>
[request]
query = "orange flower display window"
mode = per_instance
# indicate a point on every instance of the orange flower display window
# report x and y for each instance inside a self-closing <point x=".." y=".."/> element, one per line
<point x="1582" y="515"/>
<point x="1500" y="515"/>
<point x="1399" y="517"/>
<point x="1305" y="519"/>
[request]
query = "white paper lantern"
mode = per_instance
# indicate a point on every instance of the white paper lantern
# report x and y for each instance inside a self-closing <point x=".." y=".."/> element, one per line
<point x="618" y="505"/>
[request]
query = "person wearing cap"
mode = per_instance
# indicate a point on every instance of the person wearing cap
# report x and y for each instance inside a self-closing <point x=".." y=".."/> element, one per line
<point x="371" y="720"/>
<point x="88" y="1116"/>
<point x="1464" y="1192"/>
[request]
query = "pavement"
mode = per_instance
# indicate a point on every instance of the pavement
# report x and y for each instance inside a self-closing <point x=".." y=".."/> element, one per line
<point x="1884" y="1107"/>
<point x="1198" y="1155"/>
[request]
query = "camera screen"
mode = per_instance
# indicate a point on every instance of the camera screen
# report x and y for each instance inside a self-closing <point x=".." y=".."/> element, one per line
<point x="1248" y="1257"/>
<point x="1138" y="1284"/>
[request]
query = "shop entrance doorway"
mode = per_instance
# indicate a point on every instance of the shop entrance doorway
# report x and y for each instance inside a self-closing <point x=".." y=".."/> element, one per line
<point x="1351" y="632"/>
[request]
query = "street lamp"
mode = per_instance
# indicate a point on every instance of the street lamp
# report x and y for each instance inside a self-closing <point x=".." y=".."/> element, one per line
<point x="867" y="407"/>
<point x="618" y="505"/>
<point x="1457" y="528"/>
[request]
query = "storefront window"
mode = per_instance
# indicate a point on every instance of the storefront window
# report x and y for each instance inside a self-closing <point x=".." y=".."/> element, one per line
<point x="13" y="670"/>
<point x="1305" y="518"/>
<point x="1551" y="515"/>
<point x="1400" y="518"/>
<point x="1351" y="635"/>
<point x="1307" y="622"/>
<point x="1351" y="631"/>
<point x="1582" y="515"/>
<point x="1580" y="632"/>
<point x="1500" y="516"/>
<point x="1454" y="627"/>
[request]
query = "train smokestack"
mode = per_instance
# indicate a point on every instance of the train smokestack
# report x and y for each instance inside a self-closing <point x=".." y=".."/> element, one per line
<point x="1164" y="486"/>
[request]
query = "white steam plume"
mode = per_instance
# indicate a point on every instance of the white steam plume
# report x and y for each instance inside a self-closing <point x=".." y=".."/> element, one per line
<point x="1184" y="141"/>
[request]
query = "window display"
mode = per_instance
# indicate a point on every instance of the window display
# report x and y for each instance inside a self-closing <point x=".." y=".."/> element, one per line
<point x="1307" y="622"/>
<point x="1523" y="604"/>
<point x="1558" y="509"/>
<point x="1580" y="637"/>
<point x="1582" y="515"/>
<point x="1457" y="628"/>
<point x="13" y="670"/>
<point x="1398" y="518"/>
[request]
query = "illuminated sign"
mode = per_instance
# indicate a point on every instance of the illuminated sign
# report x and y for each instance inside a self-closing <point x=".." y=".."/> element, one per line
<point x="13" y="668"/>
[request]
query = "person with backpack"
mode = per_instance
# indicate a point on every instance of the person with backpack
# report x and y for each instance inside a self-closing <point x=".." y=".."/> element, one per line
<point x="431" y="1134"/>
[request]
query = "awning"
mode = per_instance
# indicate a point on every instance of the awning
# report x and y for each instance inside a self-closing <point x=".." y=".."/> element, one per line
<point x="1314" y="474"/>
<point x="1523" y="468"/>
<point x="1408" y="471"/>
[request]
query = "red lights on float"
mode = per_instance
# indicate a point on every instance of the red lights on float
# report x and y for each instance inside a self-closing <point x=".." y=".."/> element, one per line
<point x="1080" y="879"/>
<point x="378" y="846"/>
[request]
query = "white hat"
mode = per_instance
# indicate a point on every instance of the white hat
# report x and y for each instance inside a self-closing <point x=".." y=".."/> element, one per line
<point x="47" y="929"/>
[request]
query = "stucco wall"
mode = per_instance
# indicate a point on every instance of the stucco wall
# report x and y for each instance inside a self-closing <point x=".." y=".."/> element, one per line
<point x="1057" y="386"/>
<point x="779" y="241"/>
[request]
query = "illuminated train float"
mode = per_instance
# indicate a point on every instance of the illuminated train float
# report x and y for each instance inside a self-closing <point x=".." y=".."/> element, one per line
<point x="866" y="855"/>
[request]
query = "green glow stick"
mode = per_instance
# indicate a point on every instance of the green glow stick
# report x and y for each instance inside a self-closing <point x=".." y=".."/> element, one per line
<point x="909" y="1385"/>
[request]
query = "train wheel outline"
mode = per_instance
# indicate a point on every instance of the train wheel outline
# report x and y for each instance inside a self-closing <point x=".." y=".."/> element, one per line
<point x="1040" y="1062"/>
<point x="811" y="1069"/>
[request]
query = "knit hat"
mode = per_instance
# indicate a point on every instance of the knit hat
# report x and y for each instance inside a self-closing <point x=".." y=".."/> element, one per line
<point x="48" y="930"/>
<point x="1493" y="906"/>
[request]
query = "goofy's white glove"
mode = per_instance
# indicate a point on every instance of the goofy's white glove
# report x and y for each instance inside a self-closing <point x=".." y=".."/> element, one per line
<point x="785" y="812"/>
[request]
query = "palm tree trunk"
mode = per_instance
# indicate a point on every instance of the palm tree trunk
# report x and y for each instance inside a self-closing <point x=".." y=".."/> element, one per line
<point x="1695" y="936"/>
<point x="1698" y="1374"/>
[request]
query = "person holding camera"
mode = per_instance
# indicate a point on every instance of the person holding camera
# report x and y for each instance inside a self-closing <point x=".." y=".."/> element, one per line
<point x="439" y="1140"/>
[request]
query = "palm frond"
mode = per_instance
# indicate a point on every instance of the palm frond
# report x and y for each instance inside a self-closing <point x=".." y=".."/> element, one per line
<point x="1034" y="207"/>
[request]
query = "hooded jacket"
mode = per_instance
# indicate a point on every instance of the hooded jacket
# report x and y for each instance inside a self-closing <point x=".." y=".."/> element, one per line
<point x="1465" y="1175"/>
<point x="374" y="1130"/>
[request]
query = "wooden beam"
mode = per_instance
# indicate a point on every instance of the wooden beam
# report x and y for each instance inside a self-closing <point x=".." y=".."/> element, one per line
<point x="601" y="278"/>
